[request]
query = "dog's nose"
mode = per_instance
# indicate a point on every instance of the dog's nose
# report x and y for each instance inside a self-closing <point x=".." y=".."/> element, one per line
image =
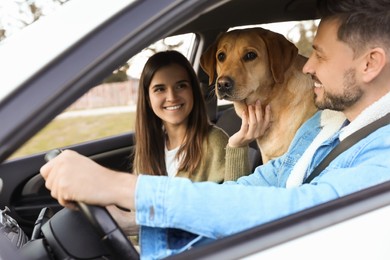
<point x="225" y="84"/>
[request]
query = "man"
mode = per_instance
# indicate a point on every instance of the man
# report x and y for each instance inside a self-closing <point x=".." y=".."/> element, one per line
<point x="351" y="68"/>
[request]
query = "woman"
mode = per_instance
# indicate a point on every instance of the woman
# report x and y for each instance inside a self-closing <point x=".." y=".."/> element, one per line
<point x="173" y="134"/>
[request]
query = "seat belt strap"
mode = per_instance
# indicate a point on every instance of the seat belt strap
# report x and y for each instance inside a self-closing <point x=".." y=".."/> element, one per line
<point x="347" y="143"/>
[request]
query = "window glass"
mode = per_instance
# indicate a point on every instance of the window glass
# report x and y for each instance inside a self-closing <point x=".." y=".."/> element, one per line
<point x="107" y="109"/>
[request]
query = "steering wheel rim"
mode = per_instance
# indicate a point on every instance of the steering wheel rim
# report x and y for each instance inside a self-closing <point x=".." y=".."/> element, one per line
<point x="104" y="224"/>
<point x="109" y="231"/>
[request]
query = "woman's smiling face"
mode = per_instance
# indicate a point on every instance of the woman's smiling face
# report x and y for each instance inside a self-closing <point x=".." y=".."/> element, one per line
<point x="170" y="94"/>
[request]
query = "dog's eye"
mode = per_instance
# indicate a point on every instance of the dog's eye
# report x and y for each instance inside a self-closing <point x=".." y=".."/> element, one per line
<point x="250" y="56"/>
<point x="221" y="56"/>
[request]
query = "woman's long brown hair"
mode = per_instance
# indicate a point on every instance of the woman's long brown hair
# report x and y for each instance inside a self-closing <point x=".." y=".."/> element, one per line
<point x="149" y="134"/>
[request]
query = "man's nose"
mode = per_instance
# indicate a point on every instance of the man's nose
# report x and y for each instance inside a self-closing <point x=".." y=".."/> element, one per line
<point x="308" y="67"/>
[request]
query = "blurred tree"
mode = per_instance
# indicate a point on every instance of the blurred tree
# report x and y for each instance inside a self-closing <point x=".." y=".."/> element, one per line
<point x="165" y="44"/>
<point x="21" y="13"/>
<point x="118" y="75"/>
<point x="121" y="74"/>
<point x="306" y="34"/>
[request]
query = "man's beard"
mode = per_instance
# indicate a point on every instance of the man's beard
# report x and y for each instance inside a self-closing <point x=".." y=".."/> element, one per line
<point x="352" y="93"/>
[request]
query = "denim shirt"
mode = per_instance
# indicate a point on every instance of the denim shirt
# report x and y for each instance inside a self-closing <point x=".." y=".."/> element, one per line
<point x="216" y="210"/>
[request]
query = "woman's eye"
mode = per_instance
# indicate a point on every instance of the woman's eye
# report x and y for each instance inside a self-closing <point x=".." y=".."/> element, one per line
<point x="182" y="85"/>
<point x="158" y="89"/>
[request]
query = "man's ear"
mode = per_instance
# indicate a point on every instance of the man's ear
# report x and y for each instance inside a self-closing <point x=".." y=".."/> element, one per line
<point x="375" y="60"/>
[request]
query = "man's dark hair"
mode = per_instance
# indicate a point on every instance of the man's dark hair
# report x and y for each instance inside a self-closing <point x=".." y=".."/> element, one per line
<point x="363" y="23"/>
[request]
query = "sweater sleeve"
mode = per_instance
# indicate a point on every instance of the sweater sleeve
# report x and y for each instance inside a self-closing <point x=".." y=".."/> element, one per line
<point x="237" y="163"/>
<point x="221" y="163"/>
<point x="236" y="159"/>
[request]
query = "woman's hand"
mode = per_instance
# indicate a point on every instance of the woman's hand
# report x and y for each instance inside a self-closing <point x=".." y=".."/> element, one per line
<point x="254" y="124"/>
<point x="72" y="177"/>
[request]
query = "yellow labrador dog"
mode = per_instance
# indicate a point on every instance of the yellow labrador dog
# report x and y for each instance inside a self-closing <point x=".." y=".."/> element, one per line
<point x="258" y="64"/>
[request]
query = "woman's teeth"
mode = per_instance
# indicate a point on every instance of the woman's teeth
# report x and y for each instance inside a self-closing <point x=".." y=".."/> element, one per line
<point x="173" y="107"/>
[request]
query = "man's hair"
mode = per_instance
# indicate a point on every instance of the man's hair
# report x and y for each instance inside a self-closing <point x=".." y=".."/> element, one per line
<point x="363" y="23"/>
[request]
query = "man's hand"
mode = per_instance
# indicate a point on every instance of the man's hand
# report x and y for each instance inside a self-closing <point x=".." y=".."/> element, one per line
<point x="72" y="177"/>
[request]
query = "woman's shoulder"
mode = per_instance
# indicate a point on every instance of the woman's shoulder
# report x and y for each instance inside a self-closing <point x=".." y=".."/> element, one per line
<point x="217" y="134"/>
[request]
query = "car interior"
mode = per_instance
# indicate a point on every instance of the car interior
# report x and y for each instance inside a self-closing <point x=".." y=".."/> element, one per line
<point x="31" y="196"/>
<point x="30" y="202"/>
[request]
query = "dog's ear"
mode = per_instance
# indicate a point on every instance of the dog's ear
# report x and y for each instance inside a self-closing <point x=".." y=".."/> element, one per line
<point x="208" y="61"/>
<point x="281" y="53"/>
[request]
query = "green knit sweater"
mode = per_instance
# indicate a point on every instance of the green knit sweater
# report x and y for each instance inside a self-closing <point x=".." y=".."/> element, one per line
<point x="221" y="163"/>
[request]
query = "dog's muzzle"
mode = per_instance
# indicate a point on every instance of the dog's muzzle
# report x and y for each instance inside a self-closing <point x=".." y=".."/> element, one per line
<point x="225" y="87"/>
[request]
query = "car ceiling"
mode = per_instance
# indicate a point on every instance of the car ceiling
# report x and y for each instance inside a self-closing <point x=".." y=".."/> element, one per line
<point x="247" y="12"/>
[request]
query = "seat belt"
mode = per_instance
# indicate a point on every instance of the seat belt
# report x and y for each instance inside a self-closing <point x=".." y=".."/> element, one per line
<point x="347" y="143"/>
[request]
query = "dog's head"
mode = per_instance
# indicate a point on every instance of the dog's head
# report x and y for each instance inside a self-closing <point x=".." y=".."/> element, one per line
<point x="248" y="62"/>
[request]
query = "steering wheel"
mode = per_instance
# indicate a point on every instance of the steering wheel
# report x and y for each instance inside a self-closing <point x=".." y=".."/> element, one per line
<point x="104" y="225"/>
<point x="109" y="231"/>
